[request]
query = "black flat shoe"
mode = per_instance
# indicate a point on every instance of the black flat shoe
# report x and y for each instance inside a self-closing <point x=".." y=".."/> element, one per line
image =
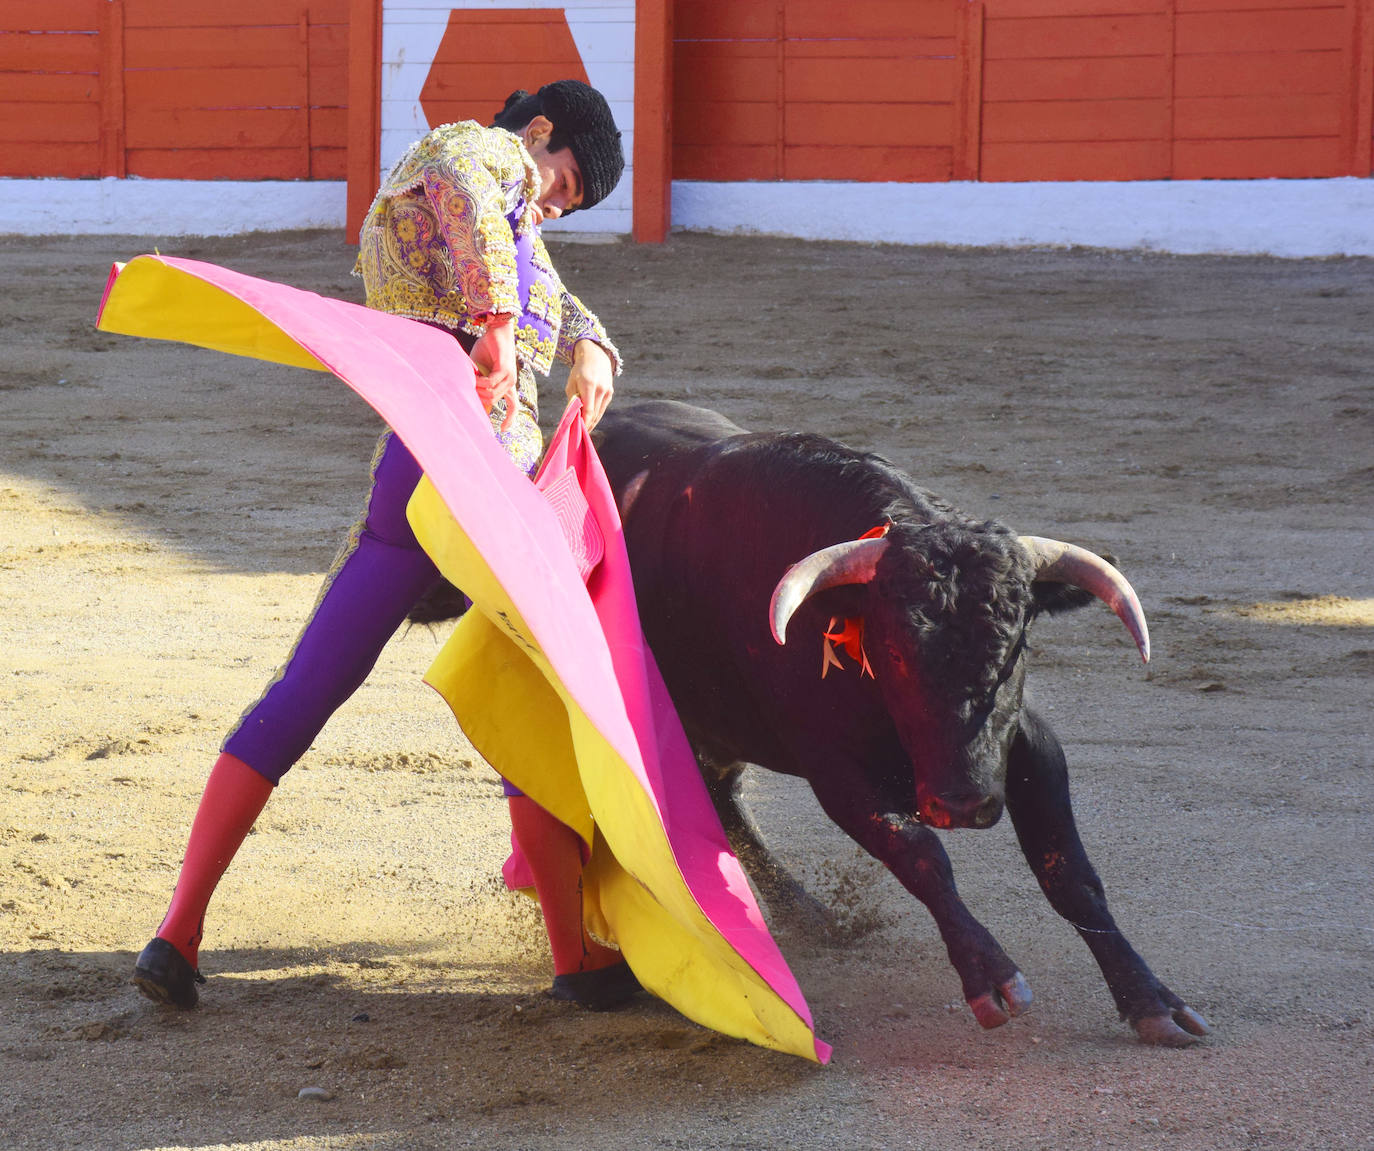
<point x="604" y="989"/>
<point x="163" y="975"/>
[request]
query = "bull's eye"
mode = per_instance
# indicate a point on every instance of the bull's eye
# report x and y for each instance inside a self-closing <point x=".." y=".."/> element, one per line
<point x="895" y="656"/>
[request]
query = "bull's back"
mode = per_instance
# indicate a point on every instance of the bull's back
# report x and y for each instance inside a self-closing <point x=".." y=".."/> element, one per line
<point x="631" y="436"/>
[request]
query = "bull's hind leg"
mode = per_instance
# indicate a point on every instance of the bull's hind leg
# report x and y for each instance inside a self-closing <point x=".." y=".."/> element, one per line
<point x="1038" y="800"/>
<point x="789" y="903"/>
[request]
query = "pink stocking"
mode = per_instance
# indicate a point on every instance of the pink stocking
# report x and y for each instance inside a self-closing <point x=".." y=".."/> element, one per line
<point x="234" y="796"/>
<point x="554" y="853"/>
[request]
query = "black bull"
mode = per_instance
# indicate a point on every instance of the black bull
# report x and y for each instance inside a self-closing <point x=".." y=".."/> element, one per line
<point x="937" y="734"/>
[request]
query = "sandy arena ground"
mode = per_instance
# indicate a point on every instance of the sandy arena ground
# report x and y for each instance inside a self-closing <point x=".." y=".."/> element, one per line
<point x="165" y="518"/>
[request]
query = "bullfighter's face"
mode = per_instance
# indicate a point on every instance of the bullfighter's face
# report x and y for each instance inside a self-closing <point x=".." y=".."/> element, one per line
<point x="560" y="178"/>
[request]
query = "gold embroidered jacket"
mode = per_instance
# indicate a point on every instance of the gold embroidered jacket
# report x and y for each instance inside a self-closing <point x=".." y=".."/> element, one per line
<point x="445" y="237"/>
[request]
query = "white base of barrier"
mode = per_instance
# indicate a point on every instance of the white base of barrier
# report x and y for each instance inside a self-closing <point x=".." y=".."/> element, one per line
<point x="168" y="207"/>
<point x="1293" y="218"/>
<point x="1272" y="217"/>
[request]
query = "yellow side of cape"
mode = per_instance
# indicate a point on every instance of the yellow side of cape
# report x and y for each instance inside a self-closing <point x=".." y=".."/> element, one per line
<point x="520" y="717"/>
<point x="167" y="304"/>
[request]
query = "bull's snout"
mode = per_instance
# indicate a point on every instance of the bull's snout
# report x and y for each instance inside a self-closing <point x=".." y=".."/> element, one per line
<point x="949" y="811"/>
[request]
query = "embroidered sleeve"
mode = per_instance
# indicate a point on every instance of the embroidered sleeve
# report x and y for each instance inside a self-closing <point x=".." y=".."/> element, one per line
<point x="580" y="324"/>
<point x="464" y="182"/>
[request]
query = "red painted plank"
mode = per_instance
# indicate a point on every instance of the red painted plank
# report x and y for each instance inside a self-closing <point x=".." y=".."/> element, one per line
<point x="1077" y="37"/>
<point x="724" y="161"/>
<point x="36" y="160"/>
<point x="192" y="128"/>
<point x="151" y="91"/>
<point x="1256" y="117"/>
<point x="713" y="20"/>
<point x="1360" y="147"/>
<point x="329" y="163"/>
<point x="1037" y="9"/>
<point x="652" y="202"/>
<point x="869" y="19"/>
<point x="967" y="145"/>
<point x="1116" y="160"/>
<point x="1076" y="120"/>
<point x="1294" y="73"/>
<point x="692" y="51"/>
<point x="873" y="125"/>
<point x="225" y="47"/>
<point x="50" y="123"/>
<point x="1252" y="5"/>
<point x="364" y="110"/>
<point x="1258" y="159"/>
<point x="239" y="13"/>
<point x="724" y="78"/>
<point x="47" y="16"/>
<point x="329" y="86"/>
<point x="1137" y="77"/>
<point x="328" y="127"/>
<point x="728" y="123"/>
<point x="49" y="52"/>
<point x="238" y="163"/>
<point x="48" y="88"/>
<point x="900" y="47"/>
<point x="328" y="47"/>
<point x="1234" y="32"/>
<point x="113" y="106"/>
<point x="877" y="80"/>
<point x="868" y="164"/>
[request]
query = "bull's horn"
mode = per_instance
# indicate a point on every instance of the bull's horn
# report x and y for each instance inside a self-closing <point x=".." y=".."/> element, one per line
<point x="1058" y="562"/>
<point x="853" y="561"/>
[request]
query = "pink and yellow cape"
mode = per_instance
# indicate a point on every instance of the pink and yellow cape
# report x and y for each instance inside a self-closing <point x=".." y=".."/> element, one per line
<point x="550" y="678"/>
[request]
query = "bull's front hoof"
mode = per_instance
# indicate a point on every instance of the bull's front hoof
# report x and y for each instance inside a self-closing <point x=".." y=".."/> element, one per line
<point x="1181" y="1028"/>
<point x="1010" y="999"/>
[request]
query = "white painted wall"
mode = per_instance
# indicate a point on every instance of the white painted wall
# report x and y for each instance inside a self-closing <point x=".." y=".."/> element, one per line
<point x="604" y="32"/>
<point x="169" y="207"/>
<point x="1292" y="218"/>
<point x="1275" y="217"/>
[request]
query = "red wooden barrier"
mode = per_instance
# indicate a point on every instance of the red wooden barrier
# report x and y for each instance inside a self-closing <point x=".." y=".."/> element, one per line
<point x="653" y="158"/>
<point x="771" y="89"/>
<point x="173" y="88"/>
<point x="1023" y="89"/>
<point x="798" y="90"/>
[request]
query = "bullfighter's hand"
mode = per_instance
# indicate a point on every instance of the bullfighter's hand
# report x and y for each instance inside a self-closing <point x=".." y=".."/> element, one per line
<point x="592" y="379"/>
<point x="494" y="355"/>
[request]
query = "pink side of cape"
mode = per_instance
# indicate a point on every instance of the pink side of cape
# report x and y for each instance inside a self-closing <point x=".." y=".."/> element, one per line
<point x="671" y="775"/>
<point x="420" y="383"/>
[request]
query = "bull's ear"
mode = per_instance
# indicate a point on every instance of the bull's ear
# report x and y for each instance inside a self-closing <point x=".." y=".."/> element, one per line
<point x="1053" y="598"/>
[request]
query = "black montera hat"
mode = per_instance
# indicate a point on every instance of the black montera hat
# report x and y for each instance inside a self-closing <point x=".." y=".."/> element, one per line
<point x="582" y="121"/>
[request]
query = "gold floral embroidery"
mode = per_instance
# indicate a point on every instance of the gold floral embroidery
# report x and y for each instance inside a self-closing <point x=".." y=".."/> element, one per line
<point x="542" y="304"/>
<point x="456" y="263"/>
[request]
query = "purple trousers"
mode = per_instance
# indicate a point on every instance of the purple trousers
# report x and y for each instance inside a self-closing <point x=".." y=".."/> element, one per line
<point x="380" y="574"/>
